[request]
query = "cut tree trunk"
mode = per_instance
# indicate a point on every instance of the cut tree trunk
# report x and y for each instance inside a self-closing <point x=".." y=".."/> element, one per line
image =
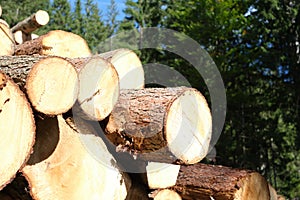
<point x="202" y="181"/>
<point x="161" y="175"/>
<point x="165" y="194"/>
<point x="7" y="45"/>
<point x="0" y="11"/>
<point x="51" y="82"/>
<point x="98" y="88"/>
<point x="170" y="125"/>
<point x="273" y="193"/>
<point x="57" y="43"/>
<point x="21" y="37"/>
<point x="17" y="129"/>
<point x="30" y="24"/>
<point x="79" y="168"/>
<point x="128" y="66"/>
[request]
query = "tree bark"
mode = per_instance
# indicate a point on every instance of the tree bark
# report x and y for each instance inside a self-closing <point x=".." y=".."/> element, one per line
<point x="165" y="194"/>
<point x="202" y="181"/>
<point x="128" y="66"/>
<point x="51" y="82"/>
<point x="161" y="175"/>
<point x="57" y="43"/>
<point x="161" y="124"/>
<point x="7" y="45"/>
<point x="79" y="168"/>
<point x="30" y="24"/>
<point x="17" y="129"/>
<point x="98" y="87"/>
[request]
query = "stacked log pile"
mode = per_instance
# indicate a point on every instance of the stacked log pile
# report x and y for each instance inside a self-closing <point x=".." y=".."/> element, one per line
<point x="52" y="87"/>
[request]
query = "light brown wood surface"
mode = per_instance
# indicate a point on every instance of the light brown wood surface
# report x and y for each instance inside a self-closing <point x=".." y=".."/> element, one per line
<point x="17" y="129"/>
<point x="57" y="43"/>
<point x="80" y="167"/>
<point x="128" y="66"/>
<point x="161" y="124"/>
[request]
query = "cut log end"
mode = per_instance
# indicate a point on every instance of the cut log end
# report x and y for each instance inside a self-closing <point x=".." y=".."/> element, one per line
<point x="72" y="171"/>
<point x="167" y="194"/>
<point x="52" y="85"/>
<point x="17" y="129"/>
<point x="188" y="127"/>
<point x="98" y="89"/>
<point x="42" y="17"/>
<point x="6" y="41"/>
<point x="65" y="44"/>
<point x="128" y="66"/>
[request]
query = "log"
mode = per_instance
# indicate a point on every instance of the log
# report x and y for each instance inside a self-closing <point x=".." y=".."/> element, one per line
<point x="78" y="167"/>
<point x="17" y="129"/>
<point x="21" y="37"/>
<point x="98" y="88"/>
<point x="56" y="43"/>
<point x="161" y="175"/>
<point x="165" y="194"/>
<point x="4" y="22"/>
<point x="7" y="45"/>
<point x="201" y="181"/>
<point x="51" y="82"/>
<point x="0" y="11"/>
<point x="170" y="125"/>
<point x="273" y="193"/>
<point x="128" y="66"/>
<point x="30" y="24"/>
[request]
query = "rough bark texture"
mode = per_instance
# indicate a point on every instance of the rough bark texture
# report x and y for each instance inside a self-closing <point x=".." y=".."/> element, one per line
<point x="57" y="42"/>
<point x="17" y="129"/>
<point x="202" y="181"/>
<point x="128" y="66"/>
<point x="51" y="82"/>
<point x="140" y="123"/>
<point x="98" y="87"/>
<point x="79" y="168"/>
<point x="18" y="67"/>
<point x="7" y="44"/>
<point x="30" y="24"/>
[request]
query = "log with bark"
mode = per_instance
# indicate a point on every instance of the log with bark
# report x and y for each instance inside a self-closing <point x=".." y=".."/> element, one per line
<point x="7" y="43"/>
<point x="51" y="82"/>
<point x="128" y="66"/>
<point x="98" y="87"/>
<point x="201" y="181"/>
<point x="56" y="42"/>
<point x="171" y="125"/>
<point x="79" y="167"/>
<point x="31" y="23"/>
<point x="17" y="129"/>
<point x="165" y="194"/>
<point x="21" y="37"/>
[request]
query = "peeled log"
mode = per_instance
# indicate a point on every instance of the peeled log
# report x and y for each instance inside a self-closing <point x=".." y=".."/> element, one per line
<point x="202" y="181"/>
<point x="128" y="66"/>
<point x="57" y="43"/>
<point x="30" y="24"/>
<point x="98" y="87"/>
<point x="161" y="124"/>
<point x="80" y="167"/>
<point x="51" y="82"/>
<point x="17" y="129"/>
<point x="7" y="45"/>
